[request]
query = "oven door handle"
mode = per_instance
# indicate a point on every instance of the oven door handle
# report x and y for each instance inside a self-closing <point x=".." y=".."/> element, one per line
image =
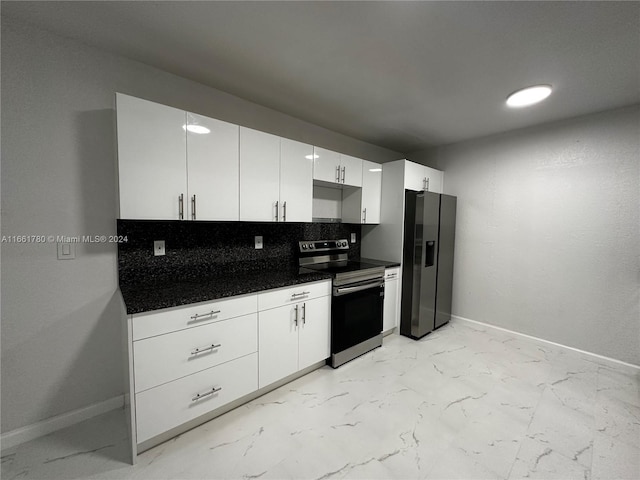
<point x="338" y="291"/>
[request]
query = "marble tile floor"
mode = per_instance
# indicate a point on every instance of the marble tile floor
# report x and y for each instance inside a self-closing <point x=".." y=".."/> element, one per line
<point x="465" y="402"/>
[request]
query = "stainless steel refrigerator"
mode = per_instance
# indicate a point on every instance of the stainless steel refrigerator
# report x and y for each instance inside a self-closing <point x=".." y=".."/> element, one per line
<point x="427" y="274"/>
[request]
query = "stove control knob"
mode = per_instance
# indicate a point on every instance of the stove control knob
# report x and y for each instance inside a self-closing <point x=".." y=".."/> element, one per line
<point x="304" y="246"/>
<point x="311" y="246"/>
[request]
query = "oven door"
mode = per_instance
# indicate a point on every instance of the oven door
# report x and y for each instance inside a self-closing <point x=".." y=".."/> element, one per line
<point x="356" y="314"/>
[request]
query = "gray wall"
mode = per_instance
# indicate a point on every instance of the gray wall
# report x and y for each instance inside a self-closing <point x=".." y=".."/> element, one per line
<point x="548" y="231"/>
<point x="60" y="330"/>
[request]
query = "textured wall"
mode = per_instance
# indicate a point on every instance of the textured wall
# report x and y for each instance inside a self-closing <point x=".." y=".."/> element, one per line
<point x="60" y="325"/>
<point x="548" y="231"/>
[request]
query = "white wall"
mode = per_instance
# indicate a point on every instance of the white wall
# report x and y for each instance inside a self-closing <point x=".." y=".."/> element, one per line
<point x="60" y="330"/>
<point x="548" y="231"/>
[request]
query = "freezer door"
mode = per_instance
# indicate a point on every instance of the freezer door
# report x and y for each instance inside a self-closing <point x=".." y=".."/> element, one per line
<point x="446" y="241"/>
<point x="412" y="258"/>
<point x="428" y="265"/>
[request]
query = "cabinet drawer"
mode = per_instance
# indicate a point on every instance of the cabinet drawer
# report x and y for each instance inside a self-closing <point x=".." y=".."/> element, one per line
<point x="178" y="318"/>
<point x="166" y="406"/>
<point x="392" y="274"/>
<point x="163" y="358"/>
<point x="289" y="295"/>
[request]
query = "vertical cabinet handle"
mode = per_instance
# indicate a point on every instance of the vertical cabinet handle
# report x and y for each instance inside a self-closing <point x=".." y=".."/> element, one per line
<point x="427" y="189"/>
<point x="424" y="183"/>
<point x="296" y="316"/>
<point x="193" y="207"/>
<point x="364" y="216"/>
<point x="284" y="211"/>
<point x="181" y="206"/>
<point x="277" y="211"/>
<point x="304" y="313"/>
<point x="337" y="173"/>
<point x="343" y="171"/>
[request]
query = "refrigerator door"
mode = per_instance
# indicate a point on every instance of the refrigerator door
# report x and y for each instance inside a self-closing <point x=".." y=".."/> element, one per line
<point x="412" y="258"/>
<point x="428" y="264"/>
<point x="446" y="241"/>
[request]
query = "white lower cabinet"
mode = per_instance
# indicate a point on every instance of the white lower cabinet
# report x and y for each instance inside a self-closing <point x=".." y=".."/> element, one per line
<point x="185" y="362"/>
<point x="391" y="312"/>
<point x="293" y="336"/>
<point x="167" y="406"/>
<point x="173" y="355"/>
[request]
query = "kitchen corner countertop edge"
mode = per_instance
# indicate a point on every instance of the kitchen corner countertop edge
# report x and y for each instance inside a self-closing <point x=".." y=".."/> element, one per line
<point x="147" y="298"/>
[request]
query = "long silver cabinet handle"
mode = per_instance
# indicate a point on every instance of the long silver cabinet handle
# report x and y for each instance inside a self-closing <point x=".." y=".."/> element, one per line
<point x="193" y="207"/>
<point x="296" y="316"/>
<point x="284" y="211"/>
<point x="206" y="394"/>
<point x="424" y="183"/>
<point x="337" y="173"/>
<point x="304" y="313"/>
<point x="198" y="316"/>
<point x="427" y="189"/>
<point x="344" y="169"/>
<point x="277" y="211"/>
<point x="181" y="206"/>
<point x="294" y="295"/>
<point x="364" y="216"/>
<point x="213" y="346"/>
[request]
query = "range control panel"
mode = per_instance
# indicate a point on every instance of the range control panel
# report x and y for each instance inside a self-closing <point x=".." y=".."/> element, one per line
<point x="323" y="245"/>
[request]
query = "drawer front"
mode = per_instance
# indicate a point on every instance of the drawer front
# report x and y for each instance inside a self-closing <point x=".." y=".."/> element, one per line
<point x="290" y="295"/>
<point x="178" y="318"/>
<point x="168" y="357"/>
<point x="392" y="273"/>
<point x="167" y="406"/>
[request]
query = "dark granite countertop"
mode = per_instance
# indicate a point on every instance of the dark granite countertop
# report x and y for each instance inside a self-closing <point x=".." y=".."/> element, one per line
<point x="382" y="263"/>
<point x="144" y="298"/>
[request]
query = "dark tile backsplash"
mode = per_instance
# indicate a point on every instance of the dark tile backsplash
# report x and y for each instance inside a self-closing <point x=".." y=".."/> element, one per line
<point x="201" y="250"/>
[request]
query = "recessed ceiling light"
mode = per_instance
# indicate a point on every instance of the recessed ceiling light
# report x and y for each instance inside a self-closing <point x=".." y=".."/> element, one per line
<point x="311" y="157"/>
<point x="196" y="128"/>
<point x="528" y="96"/>
<point x="375" y="169"/>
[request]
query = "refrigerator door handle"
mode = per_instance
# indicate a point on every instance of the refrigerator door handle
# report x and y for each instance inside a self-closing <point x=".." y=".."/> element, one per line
<point x="429" y="253"/>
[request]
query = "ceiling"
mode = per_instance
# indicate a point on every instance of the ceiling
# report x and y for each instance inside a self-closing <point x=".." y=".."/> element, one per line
<point x="402" y="75"/>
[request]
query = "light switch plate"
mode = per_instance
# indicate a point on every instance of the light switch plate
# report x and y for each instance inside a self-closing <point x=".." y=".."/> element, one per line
<point x="158" y="247"/>
<point x="259" y="243"/>
<point x="353" y="238"/>
<point x="66" y="251"/>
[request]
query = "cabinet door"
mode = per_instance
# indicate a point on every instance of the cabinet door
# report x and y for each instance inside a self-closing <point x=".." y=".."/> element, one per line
<point x="152" y="168"/>
<point x="351" y="170"/>
<point x="314" y="332"/>
<point x="213" y="168"/>
<point x="391" y="298"/>
<point x="414" y="176"/>
<point x="434" y="179"/>
<point x="325" y="165"/>
<point x="277" y="343"/>
<point x="296" y="181"/>
<point x="259" y="175"/>
<point x="371" y="191"/>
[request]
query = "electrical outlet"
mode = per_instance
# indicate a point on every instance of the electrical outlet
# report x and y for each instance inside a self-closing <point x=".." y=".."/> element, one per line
<point x="66" y="251"/>
<point x="353" y="238"/>
<point x="158" y="247"/>
<point x="259" y="243"/>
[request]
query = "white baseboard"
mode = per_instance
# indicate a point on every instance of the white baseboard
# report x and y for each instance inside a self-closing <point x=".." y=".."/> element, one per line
<point x="548" y="342"/>
<point x="39" y="429"/>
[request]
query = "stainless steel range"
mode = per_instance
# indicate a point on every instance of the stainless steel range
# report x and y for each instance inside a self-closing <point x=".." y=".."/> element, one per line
<point x="357" y="298"/>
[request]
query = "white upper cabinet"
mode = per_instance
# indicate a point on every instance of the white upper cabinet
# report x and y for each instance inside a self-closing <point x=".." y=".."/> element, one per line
<point x="333" y="167"/>
<point x="326" y="165"/>
<point x="152" y="169"/>
<point x="371" y="191"/>
<point x="213" y="169"/>
<point x="419" y="177"/>
<point x="351" y="171"/>
<point x="296" y="181"/>
<point x="259" y="176"/>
